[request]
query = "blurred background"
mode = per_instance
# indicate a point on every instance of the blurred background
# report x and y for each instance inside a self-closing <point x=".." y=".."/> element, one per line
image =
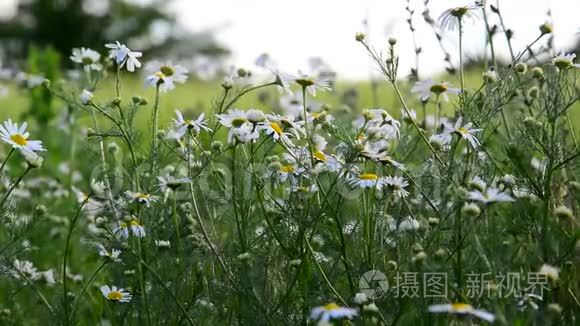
<point x="209" y="34"/>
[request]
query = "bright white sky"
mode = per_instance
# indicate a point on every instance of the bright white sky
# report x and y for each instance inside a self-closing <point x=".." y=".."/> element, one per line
<point x="292" y="31"/>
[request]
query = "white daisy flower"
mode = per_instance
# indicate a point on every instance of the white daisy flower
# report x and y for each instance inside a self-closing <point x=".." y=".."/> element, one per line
<point x="552" y="272"/>
<point x="465" y="132"/>
<point x="449" y="19"/>
<point x="141" y="198"/>
<point x="16" y="136"/>
<point x="425" y="87"/>
<point x="274" y="130"/>
<point x="86" y="97"/>
<point x="564" y="61"/>
<point x="289" y="124"/>
<point x="137" y="229"/>
<point x="324" y="314"/>
<point x="244" y="134"/>
<point x="113" y="254"/>
<point x="366" y="180"/>
<point x="124" y="56"/>
<point x="311" y="82"/>
<point x="289" y="171"/>
<point x="165" y="75"/>
<point x="25" y="268"/>
<point x="462" y="309"/>
<point x="379" y="119"/>
<point x="183" y="124"/>
<point x="88" y="58"/>
<point x="397" y="185"/>
<point x="490" y="195"/>
<point x="115" y="294"/>
<point x="122" y="231"/>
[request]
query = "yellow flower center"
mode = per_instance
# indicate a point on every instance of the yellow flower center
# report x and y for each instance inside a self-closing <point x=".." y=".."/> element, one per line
<point x="287" y="168"/>
<point x="319" y="155"/>
<point x="161" y="77"/>
<point x="304" y="82"/>
<point x="142" y="196"/>
<point x="562" y="63"/>
<point x="19" y="139"/>
<point x="123" y="225"/>
<point x="438" y="88"/>
<point x="331" y="306"/>
<point x="368" y="176"/>
<point x="115" y="295"/>
<point x="135" y="223"/>
<point x="459" y="12"/>
<point x="461" y="307"/>
<point x="87" y="60"/>
<point x="167" y="71"/>
<point x="462" y="131"/>
<point x="238" y="122"/>
<point x="276" y="127"/>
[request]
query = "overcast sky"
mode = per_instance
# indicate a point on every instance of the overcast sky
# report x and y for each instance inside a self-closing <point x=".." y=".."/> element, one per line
<point x="292" y="31"/>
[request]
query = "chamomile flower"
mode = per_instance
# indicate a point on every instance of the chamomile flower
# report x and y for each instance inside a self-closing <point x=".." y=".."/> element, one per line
<point x="462" y="309"/>
<point x="366" y="180"/>
<point x="449" y="19"/>
<point x="274" y="130"/>
<point x="289" y="171"/>
<point x="122" y="230"/>
<point x="25" y="268"/>
<point x="324" y="314"/>
<point x="288" y="124"/>
<point x="490" y="195"/>
<point x="165" y="75"/>
<point x="123" y="56"/>
<point x="86" y="97"/>
<point x="397" y="186"/>
<point x="312" y="82"/>
<point x="137" y="229"/>
<point x="465" y="131"/>
<point x="183" y="124"/>
<point x="88" y="58"/>
<point x="115" y="294"/>
<point x="141" y="198"/>
<point x="425" y="87"/>
<point x="17" y="136"/>
<point x="112" y="255"/>
<point x="550" y="271"/>
<point x="565" y="61"/>
<point x="171" y="182"/>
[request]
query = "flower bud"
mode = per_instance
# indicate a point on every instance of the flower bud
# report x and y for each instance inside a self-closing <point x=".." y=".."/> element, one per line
<point x="546" y="28"/>
<point x="392" y="41"/>
<point x="538" y="73"/>
<point x="490" y="77"/>
<point x="359" y="37"/>
<point x="521" y="68"/>
<point x="117" y="101"/>
<point x="470" y="210"/>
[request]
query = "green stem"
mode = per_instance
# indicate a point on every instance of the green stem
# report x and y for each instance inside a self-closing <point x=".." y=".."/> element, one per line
<point x="64" y="263"/>
<point x="6" y="159"/>
<point x="154" y="129"/>
<point x="461" y="57"/>
<point x="322" y="272"/>
<point x="86" y="286"/>
<point x="14" y="185"/>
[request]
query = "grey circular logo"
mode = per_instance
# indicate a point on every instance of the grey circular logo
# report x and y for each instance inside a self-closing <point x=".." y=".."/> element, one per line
<point x="374" y="284"/>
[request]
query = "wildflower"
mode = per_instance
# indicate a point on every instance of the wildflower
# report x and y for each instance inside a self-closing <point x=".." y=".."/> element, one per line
<point x="240" y="127"/>
<point x="565" y="61"/>
<point x="553" y="273"/>
<point x="170" y="182"/>
<point x="397" y="185"/>
<point x="563" y="212"/>
<point x="86" y="97"/>
<point x="359" y="36"/>
<point x="465" y="132"/>
<point x="141" y="198"/>
<point x="26" y="268"/>
<point x="310" y="82"/>
<point x="490" y="76"/>
<point x="165" y="75"/>
<point x="521" y="68"/>
<point x="470" y="209"/>
<point x="32" y="159"/>
<point x="546" y="28"/>
<point x="183" y="124"/>
<point x="275" y="130"/>
<point x="124" y="56"/>
<point x="477" y="183"/>
<point x="88" y="58"/>
<point x="360" y="298"/>
<point x="426" y="87"/>
<point x="490" y="195"/>
<point x="113" y="254"/>
<point x="462" y="309"/>
<point x="115" y="294"/>
<point x="288" y="123"/>
<point x="366" y="180"/>
<point x="288" y="171"/>
<point x="449" y="19"/>
<point x="381" y="119"/>
<point x="17" y="136"/>
<point x="137" y="229"/>
<point x="331" y="311"/>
